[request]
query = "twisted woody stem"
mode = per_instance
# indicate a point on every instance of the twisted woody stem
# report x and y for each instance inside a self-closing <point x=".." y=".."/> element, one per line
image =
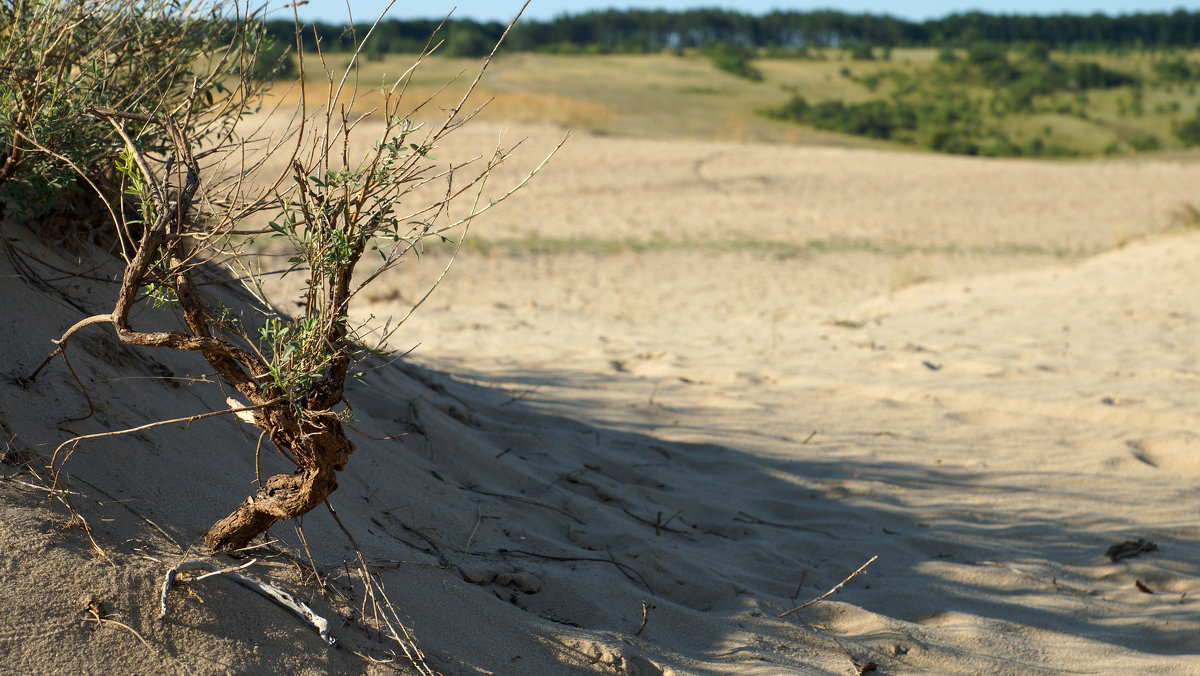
<point x="309" y="434"/>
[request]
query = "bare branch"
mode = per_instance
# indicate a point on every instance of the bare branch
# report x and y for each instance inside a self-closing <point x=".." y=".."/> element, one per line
<point x="831" y="592"/>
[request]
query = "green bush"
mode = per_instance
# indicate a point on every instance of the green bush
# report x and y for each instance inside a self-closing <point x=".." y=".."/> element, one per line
<point x="1188" y="131"/>
<point x="1037" y="52"/>
<point x="799" y="53"/>
<point x="60" y="57"/>
<point x="1001" y="146"/>
<point x="1038" y="147"/>
<point x="1087" y="75"/>
<point x="735" y="60"/>
<point x="873" y="119"/>
<point x="1175" y="70"/>
<point x="275" y="61"/>
<point x="947" y="55"/>
<point x="1146" y="144"/>
<point x="795" y="110"/>
<point x="862" y="52"/>
<point x="949" y="140"/>
<point x="466" y="40"/>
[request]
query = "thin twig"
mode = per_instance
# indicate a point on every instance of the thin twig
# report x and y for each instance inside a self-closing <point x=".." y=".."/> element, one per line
<point x="40" y="488"/>
<point x="527" y="501"/>
<point x="833" y="591"/>
<point x="91" y="407"/>
<point x="186" y="419"/>
<point x="57" y="493"/>
<point x="437" y="551"/>
<point x="854" y="664"/>
<point x="407" y="642"/>
<point x="750" y="518"/>
<point x="478" y="521"/>
<point x="129" y="509"/>
<point x="96" y="609"/>
<point x="225" y="571"/>
<point x="626" y="570"/>
<point x="658" y="524"/>
<point x="62" y="342"/>
<point x="646" y="608"/>
<point x="257" y="459"/>
<point x="312" y="563"/>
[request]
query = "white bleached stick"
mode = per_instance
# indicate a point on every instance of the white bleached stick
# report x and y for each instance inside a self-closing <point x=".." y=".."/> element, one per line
<point x="278" y="595"/>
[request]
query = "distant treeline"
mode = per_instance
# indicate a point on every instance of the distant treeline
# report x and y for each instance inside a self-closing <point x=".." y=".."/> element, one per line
<point x="633" y="31"/>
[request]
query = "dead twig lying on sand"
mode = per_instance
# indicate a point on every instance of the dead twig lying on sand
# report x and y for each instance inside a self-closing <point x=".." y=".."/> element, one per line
<point x="274" y="593"/>
<point x="37" y="487"/>
<point x="57" y="464"/>
<point x="831" y="592"/>
<point x="382" y="607"/>
<point x="127" y="508"/>
<point x="56" y="492"/>
<point x="646" y="608"/>
<point x="97" y="613"/>
<point x="658" y="524"/>
<point x="627" y="571"/>
<point x="527" y="501"/>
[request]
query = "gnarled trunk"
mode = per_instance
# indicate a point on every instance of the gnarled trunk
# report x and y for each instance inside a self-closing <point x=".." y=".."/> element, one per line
<point x="320" y="446"/>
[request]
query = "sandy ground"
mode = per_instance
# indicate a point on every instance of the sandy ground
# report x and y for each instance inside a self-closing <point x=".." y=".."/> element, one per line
<point x="633" y="459"/>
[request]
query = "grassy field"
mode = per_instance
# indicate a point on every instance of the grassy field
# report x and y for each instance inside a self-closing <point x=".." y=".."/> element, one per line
<point x="685" y="96"/>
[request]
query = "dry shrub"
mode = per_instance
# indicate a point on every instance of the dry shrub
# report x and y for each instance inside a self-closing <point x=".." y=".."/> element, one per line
<point x="186" y="185"/>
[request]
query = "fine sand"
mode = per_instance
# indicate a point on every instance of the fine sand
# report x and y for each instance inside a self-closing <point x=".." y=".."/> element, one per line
<point x="677" y="390"/>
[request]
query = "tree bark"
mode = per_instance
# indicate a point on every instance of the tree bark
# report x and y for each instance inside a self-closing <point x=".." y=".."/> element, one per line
<point x="322" y="448"/>
<point x="308" y="432"/>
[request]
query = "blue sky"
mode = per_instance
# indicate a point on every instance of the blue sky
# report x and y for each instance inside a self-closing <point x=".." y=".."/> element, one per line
<point x="502" y="10"/>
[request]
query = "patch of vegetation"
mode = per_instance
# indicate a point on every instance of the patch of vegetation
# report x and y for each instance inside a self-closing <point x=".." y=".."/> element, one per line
<point x="985" y="101"/>
<point x="735" y="60"/>
<point x="1176" y="69"/>
<point x="959" y="111"/>
<point x="59" y="61"/>
<point x="1188" y="131"/>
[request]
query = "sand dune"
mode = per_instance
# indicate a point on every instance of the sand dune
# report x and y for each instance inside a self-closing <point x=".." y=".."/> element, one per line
<point x="987" y="398"/>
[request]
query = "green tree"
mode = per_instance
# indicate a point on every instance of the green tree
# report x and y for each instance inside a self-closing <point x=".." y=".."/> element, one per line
<point x="466" y="40"/>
